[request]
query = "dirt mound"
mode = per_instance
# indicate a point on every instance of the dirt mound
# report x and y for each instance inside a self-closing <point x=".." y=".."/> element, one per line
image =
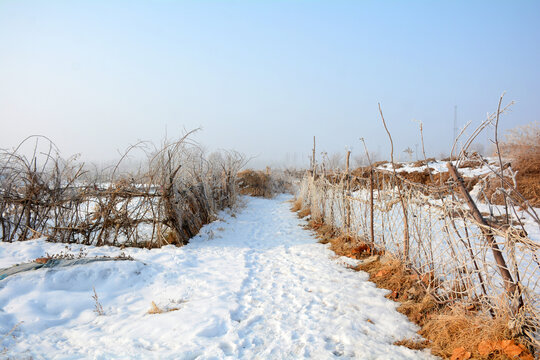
<point x="423" y="162"/>
<point x="419" y="177"/>
<point x="527" y="166"/>
<point x="522" y="146"/>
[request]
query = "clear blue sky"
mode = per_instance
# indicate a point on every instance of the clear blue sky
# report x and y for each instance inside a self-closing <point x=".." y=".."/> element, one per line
<point x="262" y="77"/>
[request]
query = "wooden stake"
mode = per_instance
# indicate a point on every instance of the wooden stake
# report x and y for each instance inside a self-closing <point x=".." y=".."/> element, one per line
<point x="347" y="199"/>
<point x="313" y="162"/>
<point x="509" y="283"/>
<point x="372" y="233"/>
<point x="401" y="200"/>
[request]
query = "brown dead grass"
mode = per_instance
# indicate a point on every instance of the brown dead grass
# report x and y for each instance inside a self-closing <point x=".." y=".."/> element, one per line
<point x="424" y="178"/>
<point x="154" y="309"/>
<point x="406" y="288"/>
<point x="423" y="162"/>
<point x="417" y="177"/>
<point x="527" y="165"/>
<point x="528" y="184"/>
<point x="296" y="205"/>
<point x="304" y="212"/>
<point x="255" y="183"/>
<point x="353" y="247"/>
<point x="471" y="164"/>
<point x="522" y="146"/>
<point x="452" y="331"/>
<point x="324" y="232"/>
<point x="458" y="328"/>
<point x="446" y="329"/>
<point x="379" y="163"/>
<point x="342" y="244"/>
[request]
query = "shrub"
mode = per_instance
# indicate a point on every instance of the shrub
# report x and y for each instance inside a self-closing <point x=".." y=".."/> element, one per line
<point x="521" y="145"/>
<point x="255" y="183"/>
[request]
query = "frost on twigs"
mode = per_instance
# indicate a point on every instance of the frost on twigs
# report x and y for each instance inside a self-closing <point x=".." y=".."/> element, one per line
<point x="420" y="214"/>
<point x="154" y="195"/>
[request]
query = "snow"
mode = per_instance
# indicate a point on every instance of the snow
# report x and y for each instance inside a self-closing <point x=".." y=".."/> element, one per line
<point x="250" y="285"/>
<point x="440" y="167"/>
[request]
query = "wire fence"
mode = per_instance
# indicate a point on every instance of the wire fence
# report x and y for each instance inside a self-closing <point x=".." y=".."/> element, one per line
<point x="483" y="263"/>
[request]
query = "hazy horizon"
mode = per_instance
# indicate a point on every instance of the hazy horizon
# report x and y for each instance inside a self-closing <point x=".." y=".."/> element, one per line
<point x="263" y="78"/>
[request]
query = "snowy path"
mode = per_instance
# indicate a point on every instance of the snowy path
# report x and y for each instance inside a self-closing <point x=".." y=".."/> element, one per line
<point x="251" y="286"/>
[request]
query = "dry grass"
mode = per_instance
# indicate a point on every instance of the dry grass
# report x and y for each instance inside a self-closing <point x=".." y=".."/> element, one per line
<point x="471" y="164"/>
<point x="154" y="309"/>
<point x="458" y="328"/>
<point x="341" y="244"/>
<point x="353" y="247"/>
<point x="527" y="165"/>
<point x="423" y="162"/>
<point x="423" y="177"/>
<point x="450" y="331"/>
<point x="405" y="287"/>
<point x="522" y="145"/>
<point x="304" y="212"/>
<point x="255" y="183"/>
<point x="296" y="205"/>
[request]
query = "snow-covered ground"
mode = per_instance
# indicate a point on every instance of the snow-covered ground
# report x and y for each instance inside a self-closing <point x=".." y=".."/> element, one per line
<point x="439" y="166"/>
<point x="254" y="285"/>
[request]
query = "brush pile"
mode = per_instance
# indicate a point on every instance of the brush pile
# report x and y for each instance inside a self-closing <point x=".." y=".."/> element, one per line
<point x="266" y="183"/>
<point x="166" y="200"/>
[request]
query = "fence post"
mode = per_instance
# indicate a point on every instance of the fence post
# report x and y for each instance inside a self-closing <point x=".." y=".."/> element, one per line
<point x="372" y="233"/>
<point x="348" y="194"/>
<point x="313" y="162"/>
<point x="406" y="236"/>
<point x="510" y="286"/>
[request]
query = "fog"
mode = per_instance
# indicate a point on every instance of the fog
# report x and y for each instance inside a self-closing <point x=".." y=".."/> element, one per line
<point x="263" y="78"/>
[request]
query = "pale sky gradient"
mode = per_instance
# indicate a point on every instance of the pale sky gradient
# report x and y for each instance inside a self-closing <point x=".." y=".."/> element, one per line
<point x="262" y="77"/>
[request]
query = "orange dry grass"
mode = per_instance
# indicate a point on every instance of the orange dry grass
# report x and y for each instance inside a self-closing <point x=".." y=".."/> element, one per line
<point x="423" y="162"/>
<point x="341" y="244"/>
<point x="296" y="205"/>
<point x="406" y="288"/>
<point x="528" y="174"/>
<point x="522" y="145"/>
<point x="350" y="246"/>
<point x="450" y="332"/>
<point x="304" y="212"/>
<point x="255" y="183"/>
<point x="479" y="334"/>
<point x="154" y="309"/>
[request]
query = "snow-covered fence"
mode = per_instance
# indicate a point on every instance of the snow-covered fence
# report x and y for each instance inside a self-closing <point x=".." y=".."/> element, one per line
<point x="166" y="201"/>
<point x="447" y="249"/>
